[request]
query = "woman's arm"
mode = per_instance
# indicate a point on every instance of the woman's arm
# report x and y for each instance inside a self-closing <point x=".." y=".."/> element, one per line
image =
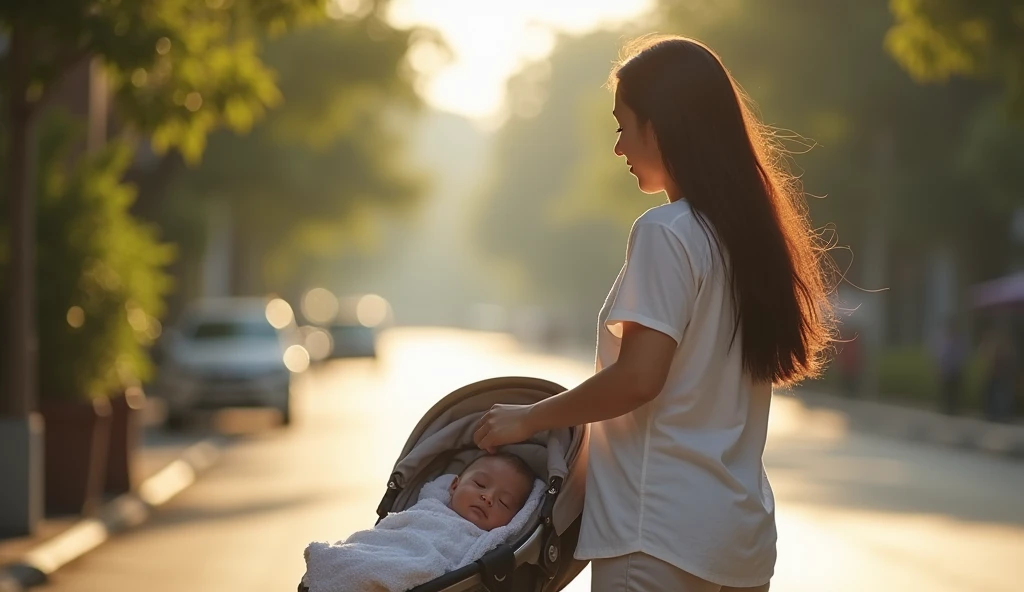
<point x="636" y="377"/>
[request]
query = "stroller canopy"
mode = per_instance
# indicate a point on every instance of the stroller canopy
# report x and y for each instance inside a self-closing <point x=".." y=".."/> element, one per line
<point x="442" y="443"/>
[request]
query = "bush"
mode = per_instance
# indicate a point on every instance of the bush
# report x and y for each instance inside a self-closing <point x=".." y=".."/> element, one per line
<point x="100" y="278"/>
<point x="909" y="373"/>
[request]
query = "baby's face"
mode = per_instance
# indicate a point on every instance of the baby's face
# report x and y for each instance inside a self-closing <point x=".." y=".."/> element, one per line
<point x="490" y="493"/>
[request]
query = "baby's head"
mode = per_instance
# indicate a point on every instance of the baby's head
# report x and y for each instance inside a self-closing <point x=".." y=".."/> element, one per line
<point x="492" y="490"/>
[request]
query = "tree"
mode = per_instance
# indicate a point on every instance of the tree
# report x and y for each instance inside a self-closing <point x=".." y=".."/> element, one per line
<point x="181" y="69"/>
<point x="334" y="145"/>
<point x="876" y="145"/>
<point x="101" y="272"/>
<point x="990" y="158"/>
<point x="937" y="39"/>
<point x="863" y="137"/>
<point x="553" y="170"/>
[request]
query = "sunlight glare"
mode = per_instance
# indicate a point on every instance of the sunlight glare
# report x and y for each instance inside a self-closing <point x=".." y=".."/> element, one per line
<point x="490" y="41"/>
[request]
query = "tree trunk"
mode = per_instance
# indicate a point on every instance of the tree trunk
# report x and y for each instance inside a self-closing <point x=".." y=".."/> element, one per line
<point x="19" y="396"/>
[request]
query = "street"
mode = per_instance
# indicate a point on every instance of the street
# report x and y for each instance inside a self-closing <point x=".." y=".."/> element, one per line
<point x="855" y="512"/>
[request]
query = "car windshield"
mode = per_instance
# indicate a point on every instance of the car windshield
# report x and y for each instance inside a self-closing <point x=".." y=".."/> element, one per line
<point x="232" y="330"/>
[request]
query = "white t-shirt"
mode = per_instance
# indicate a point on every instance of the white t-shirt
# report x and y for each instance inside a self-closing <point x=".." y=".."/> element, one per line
<point x="681" y="478"/>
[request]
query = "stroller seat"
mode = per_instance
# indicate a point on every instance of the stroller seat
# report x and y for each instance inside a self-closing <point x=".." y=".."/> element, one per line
<point x="540" y="558"/>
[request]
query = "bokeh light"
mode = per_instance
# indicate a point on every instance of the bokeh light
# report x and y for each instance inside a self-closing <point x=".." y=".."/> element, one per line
<point x="76" y="316"/>
<point x="372" y="310"/>
<point x="349" y="9"/>
<point x="320" y="305"/>
<point x="296" y="358"/>
<point x="154" y="329"/>
<point x="139" y="77"/>
<point x="138" y="319"/>
<point x="193" y="101"/>
<point x="279" y="313"/>
<point x="317" y="342"/>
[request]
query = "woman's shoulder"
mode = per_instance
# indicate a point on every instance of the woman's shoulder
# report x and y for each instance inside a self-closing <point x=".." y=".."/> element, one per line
<point x="681" y="222"/>
<point x="674" y="215"/>
<point x="678" y="217"/>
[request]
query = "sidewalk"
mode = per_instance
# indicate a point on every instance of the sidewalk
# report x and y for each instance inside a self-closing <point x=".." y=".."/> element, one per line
<point x="921" y="425"/>
<point x="167" y="464"/>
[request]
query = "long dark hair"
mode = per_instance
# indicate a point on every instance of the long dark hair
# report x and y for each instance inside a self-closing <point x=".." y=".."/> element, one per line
<point x="734" y="174"/>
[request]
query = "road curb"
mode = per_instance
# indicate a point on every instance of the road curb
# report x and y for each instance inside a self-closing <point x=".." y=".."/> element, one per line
<point x="118" y="515"/>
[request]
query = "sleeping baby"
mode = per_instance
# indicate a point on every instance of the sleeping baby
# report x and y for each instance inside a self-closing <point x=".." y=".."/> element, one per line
<point x="455" y="522"/>
<point x="492" y="490"/>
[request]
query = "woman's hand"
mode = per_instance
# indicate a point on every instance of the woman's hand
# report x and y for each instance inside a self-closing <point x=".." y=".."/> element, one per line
<point x="503" y="424"/>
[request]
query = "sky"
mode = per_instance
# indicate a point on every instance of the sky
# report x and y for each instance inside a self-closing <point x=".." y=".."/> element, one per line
<point x="491" y="39"/>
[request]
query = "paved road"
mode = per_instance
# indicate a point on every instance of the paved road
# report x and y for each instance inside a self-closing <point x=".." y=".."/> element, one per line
<point x="854" y="512"/>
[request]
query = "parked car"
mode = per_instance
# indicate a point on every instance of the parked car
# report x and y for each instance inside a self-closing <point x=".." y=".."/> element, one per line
<point x="352" y="341"/>
<point x="225" y="353"/>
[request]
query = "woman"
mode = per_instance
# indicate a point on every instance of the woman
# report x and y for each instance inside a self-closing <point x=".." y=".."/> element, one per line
<point x="723" y="294"/>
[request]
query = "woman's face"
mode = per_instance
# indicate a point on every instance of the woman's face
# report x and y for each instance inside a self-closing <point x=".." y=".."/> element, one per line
<point x="637" y="143"/>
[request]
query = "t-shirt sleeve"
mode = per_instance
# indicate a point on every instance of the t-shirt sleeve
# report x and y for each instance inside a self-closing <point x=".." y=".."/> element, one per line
<point x="658" y="284"/>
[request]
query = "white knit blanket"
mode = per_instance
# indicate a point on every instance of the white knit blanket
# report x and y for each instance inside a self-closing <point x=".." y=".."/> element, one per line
<point x="409" y="548"/>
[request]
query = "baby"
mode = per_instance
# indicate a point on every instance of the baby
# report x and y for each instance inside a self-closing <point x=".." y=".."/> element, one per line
<point x="455" y="522"/>
<point x="492" y="490"/>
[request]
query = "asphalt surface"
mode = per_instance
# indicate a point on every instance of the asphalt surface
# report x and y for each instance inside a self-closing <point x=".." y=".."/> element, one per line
<point x="855" y="512"/>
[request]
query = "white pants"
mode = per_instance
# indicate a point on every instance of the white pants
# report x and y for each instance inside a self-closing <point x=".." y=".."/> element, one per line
<point x="640" y="572"/>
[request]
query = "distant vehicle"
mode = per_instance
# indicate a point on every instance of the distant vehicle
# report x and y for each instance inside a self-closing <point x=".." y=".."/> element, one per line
<point x="225" y="353"/>
<point x="355" y="326"/>
<point x="352" y="340"/>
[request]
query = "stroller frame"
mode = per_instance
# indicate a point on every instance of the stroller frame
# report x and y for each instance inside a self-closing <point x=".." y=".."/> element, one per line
<point x="540" y="548"/>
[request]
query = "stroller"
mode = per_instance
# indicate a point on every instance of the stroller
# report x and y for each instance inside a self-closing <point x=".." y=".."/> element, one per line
<point x="541" y="558"/>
